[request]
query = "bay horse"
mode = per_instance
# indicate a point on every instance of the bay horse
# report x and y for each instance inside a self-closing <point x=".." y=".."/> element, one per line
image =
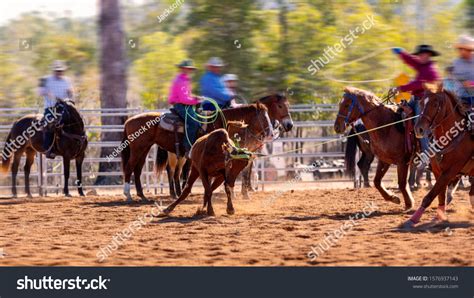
<point x="212" y="160"/>
<point x="134" y="154"/>
<point x="387" y="143"/>
<point x="443" y="115"/>
<point x="279" y="112"/>
<point x="26" y="137"/>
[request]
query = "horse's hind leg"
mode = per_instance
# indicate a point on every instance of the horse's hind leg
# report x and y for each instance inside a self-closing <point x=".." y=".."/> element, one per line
<point x="177" y="174"/>
<point x="207" y="193"/>
<point x="66" y="167"/>
<point x="229" y="190"/>
<point x="15" y="164"/>
<point x="402" y="171"/>
<point x="79" y="161"/>
<point x="137" y="172"/>
<point x="30" y="158"/>
<point x="247" y="181"/>
<point x="364" y="166"/>
<point x="382" y="169"/>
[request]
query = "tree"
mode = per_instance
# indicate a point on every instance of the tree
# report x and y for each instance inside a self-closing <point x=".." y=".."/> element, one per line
<point x="113" y="78"/>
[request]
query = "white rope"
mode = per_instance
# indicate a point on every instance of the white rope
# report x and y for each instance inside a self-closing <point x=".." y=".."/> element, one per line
<point x="331" y="78"/>
<point x="344" y="137"/>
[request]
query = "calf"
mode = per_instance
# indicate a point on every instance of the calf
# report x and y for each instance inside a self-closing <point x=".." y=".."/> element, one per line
<point x="215" y="156"/>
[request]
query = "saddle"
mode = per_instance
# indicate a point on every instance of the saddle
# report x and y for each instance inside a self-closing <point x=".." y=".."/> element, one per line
<point x="405" y="111"/>
<point x="172" y="121"/>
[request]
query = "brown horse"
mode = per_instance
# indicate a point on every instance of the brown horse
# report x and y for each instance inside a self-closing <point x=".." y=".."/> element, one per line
<point x="134" y="154"/>
<point x="26" y="137"/>
<point x="279" y="113"/>
<point x="211" y="160"/>
<point x="387" y="143"/>
<point x="446" y="119"/>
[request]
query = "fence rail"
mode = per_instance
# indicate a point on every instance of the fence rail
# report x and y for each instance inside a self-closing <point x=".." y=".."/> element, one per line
<point x="48" y="173"/>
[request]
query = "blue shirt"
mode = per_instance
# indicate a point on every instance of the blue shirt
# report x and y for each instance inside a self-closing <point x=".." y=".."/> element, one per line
<point x="212" y="86"/>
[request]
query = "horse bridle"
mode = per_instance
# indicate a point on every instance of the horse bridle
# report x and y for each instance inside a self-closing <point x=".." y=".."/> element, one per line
<point x="431" y="119"/>
<point x="354" y="103"/>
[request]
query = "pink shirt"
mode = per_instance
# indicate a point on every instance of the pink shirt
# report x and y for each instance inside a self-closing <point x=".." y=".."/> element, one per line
<point x="180" y="91"/>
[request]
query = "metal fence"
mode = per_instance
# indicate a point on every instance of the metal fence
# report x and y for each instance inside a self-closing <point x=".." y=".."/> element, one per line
<point x="301" y="146"/>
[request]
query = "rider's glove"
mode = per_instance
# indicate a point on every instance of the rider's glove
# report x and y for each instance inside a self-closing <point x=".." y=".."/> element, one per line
<point x="397" y="50"/>
<point x="393" y="91"/>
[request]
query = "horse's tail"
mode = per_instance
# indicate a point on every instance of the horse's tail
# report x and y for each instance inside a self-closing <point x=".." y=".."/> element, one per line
<point x="350" y="154"/>
<point x="6" y="155"/>
<point x="161" y="160"/>
<point x="125" y="154"/>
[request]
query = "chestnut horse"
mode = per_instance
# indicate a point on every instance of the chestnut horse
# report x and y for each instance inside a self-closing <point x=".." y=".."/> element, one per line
<point x="134" y="154"/>
<point x="387" y="143"/>
<point x="279" y="113"/>
<point x="70" y="142"/>
<point x="443" y="115"/>
<point x="211" y="160"/>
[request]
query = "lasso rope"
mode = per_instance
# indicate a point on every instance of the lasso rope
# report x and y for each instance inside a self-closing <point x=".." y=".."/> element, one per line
<point x="206" y="119"/>
<point x="331" y="78"/>
<point x="343" y="137"/>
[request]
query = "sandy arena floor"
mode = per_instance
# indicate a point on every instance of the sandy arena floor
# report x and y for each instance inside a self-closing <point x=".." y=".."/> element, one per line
<point x="57" y="231"/>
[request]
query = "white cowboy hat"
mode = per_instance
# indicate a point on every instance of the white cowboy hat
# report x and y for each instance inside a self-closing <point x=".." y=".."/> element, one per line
<point x="465" y="42"/>
<point x="230" y="77"/>
<point x="58" y="65"/>
<point x="215" y="61"/>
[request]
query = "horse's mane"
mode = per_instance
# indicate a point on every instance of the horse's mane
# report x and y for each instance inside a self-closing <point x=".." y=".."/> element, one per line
<point x="279" y="97"/>
<point x="246" y="108"/>
<point x="366" y="94"/>
<point x="457" y="106"/>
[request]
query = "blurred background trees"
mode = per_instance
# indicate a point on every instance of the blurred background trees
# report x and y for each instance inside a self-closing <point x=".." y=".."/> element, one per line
<point x="269" y="44"/>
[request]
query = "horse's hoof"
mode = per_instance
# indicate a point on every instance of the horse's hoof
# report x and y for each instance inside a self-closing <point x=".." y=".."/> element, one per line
<point x="81" y="194"/>
<point x="68" y="195"/>
<point x="408" y="225"/>
<point x="230" y="211"/>
<point x="394" y="199"/>
<point x="246" y="196"/>
<point x="29" y="196"/>
<point x="200" y="212"/>
<point x="164" y="213"/>
<point x="211" y="213"/>
<point x="14" y="196"/>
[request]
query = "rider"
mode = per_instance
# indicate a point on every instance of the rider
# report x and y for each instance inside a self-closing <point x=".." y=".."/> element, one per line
<point x="183" y="101"/>
<point x="231" y="82"/>
<point x="463" y="72"/>
<point x="213" y="87"/>
<point x="53" y="87"/>
<point x="426" y="70"/>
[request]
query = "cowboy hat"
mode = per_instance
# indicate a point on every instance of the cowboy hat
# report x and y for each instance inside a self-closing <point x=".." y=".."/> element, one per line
<point x="215" y="61"/>
<point x="465" y="42"/>
<point x="230" y="77"/>
<point x="424" y="48"/>
<point x="186" y="64"/>
<point x="58" y="65"/>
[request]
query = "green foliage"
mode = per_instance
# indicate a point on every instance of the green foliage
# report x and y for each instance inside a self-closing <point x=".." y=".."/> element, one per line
<point x="269" y="44"/>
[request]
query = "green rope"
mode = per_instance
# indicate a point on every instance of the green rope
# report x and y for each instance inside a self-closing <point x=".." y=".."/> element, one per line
<point x="206" y="119"/>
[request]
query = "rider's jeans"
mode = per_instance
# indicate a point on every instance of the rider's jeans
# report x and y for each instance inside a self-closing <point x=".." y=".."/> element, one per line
<point x="469" y="101"/>
<point x="48" y="133"/>
<point x="414" y="103"/>
<point x="192" y="126"/>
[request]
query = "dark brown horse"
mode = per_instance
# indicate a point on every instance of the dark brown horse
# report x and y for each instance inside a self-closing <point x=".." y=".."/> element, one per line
<point x="279" y="113"/>
<point x="26" y="137"/>
<point x="387" y="143"/>
<point x="212" y="161"/>
<point x="446" y="119"/>
<point x="134" y="154"/>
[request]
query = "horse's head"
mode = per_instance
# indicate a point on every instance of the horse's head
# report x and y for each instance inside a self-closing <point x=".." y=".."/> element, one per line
<point x="434" y="108"/>
<point x="261" y="127"/>
<point x="278" y="110"/>
<point x="350" y="109"/>
<point x="65" y="113"/>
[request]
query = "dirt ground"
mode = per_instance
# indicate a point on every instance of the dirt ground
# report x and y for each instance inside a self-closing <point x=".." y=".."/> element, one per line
<point x="271" y="229"/>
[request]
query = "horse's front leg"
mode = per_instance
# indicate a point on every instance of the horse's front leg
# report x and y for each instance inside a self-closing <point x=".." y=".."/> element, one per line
<point x="440" y="185"/>
<point x="402" y="173"/>
<point x="229" y="190"/>
<point x="382" y="169"/>
<point x="66" y="167"/>
<point x="79" y="161"/>
<point x="471" y="193"/>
